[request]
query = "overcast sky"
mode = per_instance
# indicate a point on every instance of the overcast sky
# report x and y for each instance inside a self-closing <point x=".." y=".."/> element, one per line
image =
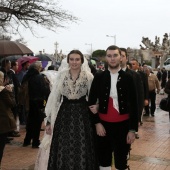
<point x="129" y="20"/>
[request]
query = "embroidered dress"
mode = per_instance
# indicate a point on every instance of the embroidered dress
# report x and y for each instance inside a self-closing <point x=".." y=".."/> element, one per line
<point x="72" y="144"/>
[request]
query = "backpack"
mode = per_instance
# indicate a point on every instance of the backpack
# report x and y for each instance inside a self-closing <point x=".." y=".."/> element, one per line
<point x="23" y="95"/>
<point x="164" y="104"/>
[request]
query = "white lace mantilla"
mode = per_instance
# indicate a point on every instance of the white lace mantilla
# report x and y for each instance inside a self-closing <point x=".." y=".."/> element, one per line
<point x="77" y="89"/>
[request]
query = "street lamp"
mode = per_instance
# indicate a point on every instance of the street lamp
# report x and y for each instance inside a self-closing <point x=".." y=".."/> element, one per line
<point x="91" y="48"/>
<point x="112" y="36"/>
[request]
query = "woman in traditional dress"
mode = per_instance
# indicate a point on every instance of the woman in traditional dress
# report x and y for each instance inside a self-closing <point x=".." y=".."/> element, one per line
<point x="68" y="118"/>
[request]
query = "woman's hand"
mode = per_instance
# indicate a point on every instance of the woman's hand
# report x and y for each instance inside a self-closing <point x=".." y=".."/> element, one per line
<point x="100" y="130"/>
<point x="94" y="108"/>
<point x="8" y="87"/>
<point x="48" y="129"/>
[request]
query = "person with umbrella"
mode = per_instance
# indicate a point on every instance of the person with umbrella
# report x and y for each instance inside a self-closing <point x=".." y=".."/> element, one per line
<point x="6" y="65"/>
<point x="7" y="121"/>
<point x="21" y="74"/>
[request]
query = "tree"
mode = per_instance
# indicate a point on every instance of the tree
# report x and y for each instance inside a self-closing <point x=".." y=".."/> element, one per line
<point x="99" y="53"/>
<point x="164" y="48"/>
<point x="45" y="13"/>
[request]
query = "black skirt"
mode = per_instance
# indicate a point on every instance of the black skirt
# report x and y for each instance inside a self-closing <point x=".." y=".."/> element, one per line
<point x="72" y="146"/>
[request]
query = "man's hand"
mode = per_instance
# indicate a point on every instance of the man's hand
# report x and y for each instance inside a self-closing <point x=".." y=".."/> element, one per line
<point x="48" y="129"/>
<point x="94" y="108"/>
<point x="130" y="137"/>
<point x="146" y="102"/>
<point x="100" y="130"/>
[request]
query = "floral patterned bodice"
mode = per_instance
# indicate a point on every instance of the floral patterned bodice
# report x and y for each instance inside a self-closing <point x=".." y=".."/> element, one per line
<point x="75" y="89"/>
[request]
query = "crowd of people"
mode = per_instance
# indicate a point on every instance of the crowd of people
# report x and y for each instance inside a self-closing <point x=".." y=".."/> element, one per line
<point x="91" y="116"/>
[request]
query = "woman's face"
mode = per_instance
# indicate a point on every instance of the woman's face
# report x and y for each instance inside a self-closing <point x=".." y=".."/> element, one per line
<point x="75" y="61"/>
<point x="1" y="78"/>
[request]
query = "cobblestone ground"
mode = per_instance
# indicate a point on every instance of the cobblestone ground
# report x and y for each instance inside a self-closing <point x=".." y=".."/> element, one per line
<point x="150" y="152"/>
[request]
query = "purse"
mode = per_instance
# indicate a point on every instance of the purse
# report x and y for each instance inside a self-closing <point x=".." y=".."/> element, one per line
<point x="164" y="104"/>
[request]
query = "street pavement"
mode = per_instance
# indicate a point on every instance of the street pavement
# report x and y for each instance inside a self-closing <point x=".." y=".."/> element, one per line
<point x="150" y="152"/>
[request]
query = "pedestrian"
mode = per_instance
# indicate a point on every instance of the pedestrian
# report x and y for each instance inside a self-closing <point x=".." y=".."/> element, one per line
<point x="8" y="80"/>
<point x="144" y="78"/>
<point x="22" y="108"/>
<point x="138" y="85"/>
<point x="164" y="78"/>
<point x="167" y="90"/>
<point x="116" y="120"/>
<point x="5" y="67"/>
<point x="159" y="75"/>
<point x="37" y="93"/>
<point x="154" y="88"/>
<point x="23" y="71"/>
<point x="7" y="121"/>
<point x="69" y="119"/>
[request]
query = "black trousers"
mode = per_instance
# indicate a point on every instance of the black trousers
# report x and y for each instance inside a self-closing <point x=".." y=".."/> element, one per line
<point x="3" y="138"/>
<point x="152" y="98"/>
<point x="114" y="141"/>
<point x="33" y="126"/>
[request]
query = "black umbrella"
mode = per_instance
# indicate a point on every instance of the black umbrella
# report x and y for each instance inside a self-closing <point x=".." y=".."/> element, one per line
<point x="43" y="57"/>
<point x="12" y="57"/>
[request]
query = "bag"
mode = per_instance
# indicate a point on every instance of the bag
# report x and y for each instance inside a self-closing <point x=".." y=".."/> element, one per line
<point x="23" y="95"/>
<point x="164" y="104"/>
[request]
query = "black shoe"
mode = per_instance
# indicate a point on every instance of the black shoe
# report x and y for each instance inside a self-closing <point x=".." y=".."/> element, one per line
<point x="35" y="146"/>
<point x="26" y="144"/>
<point x="8" y="139"/>
<point x="136" y="136"/>
<point x="152" y="115"/>
<point x="14" y="134"/>
<point x="146" y="115"/>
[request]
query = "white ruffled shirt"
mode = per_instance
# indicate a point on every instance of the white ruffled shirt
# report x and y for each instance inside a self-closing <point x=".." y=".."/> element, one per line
<point x="113" y="90"/>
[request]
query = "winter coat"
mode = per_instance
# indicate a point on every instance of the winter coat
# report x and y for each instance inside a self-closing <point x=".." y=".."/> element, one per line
<point x="7" y="101"/>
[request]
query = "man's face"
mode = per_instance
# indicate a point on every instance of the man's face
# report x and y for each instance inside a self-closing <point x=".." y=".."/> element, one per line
<point x="113" y="58"/>
<point x="124" y="59"/>
<point x="135" y="65"/>
<point x="8" y="66"/>
<point x="15" y="68"/>
<point x="27" y="65"/>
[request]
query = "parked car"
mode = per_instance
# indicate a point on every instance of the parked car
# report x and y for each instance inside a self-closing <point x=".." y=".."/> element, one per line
<point x="166" y="64"/>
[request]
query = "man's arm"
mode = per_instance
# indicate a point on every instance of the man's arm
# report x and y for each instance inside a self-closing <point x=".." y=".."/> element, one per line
<point x="93" y="96"/>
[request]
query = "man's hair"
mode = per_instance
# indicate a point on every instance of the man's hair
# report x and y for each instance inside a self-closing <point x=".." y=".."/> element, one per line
<point x="130" y="65"/>
<point x="13" y="63"/>
<point x="124" y="50"/>
<point x="133" y="59"/>
<point x="113" y="47"/>
<point x="23" y="64"/>
<point x="36" y="65"/>
<point x="4" y="62"/>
